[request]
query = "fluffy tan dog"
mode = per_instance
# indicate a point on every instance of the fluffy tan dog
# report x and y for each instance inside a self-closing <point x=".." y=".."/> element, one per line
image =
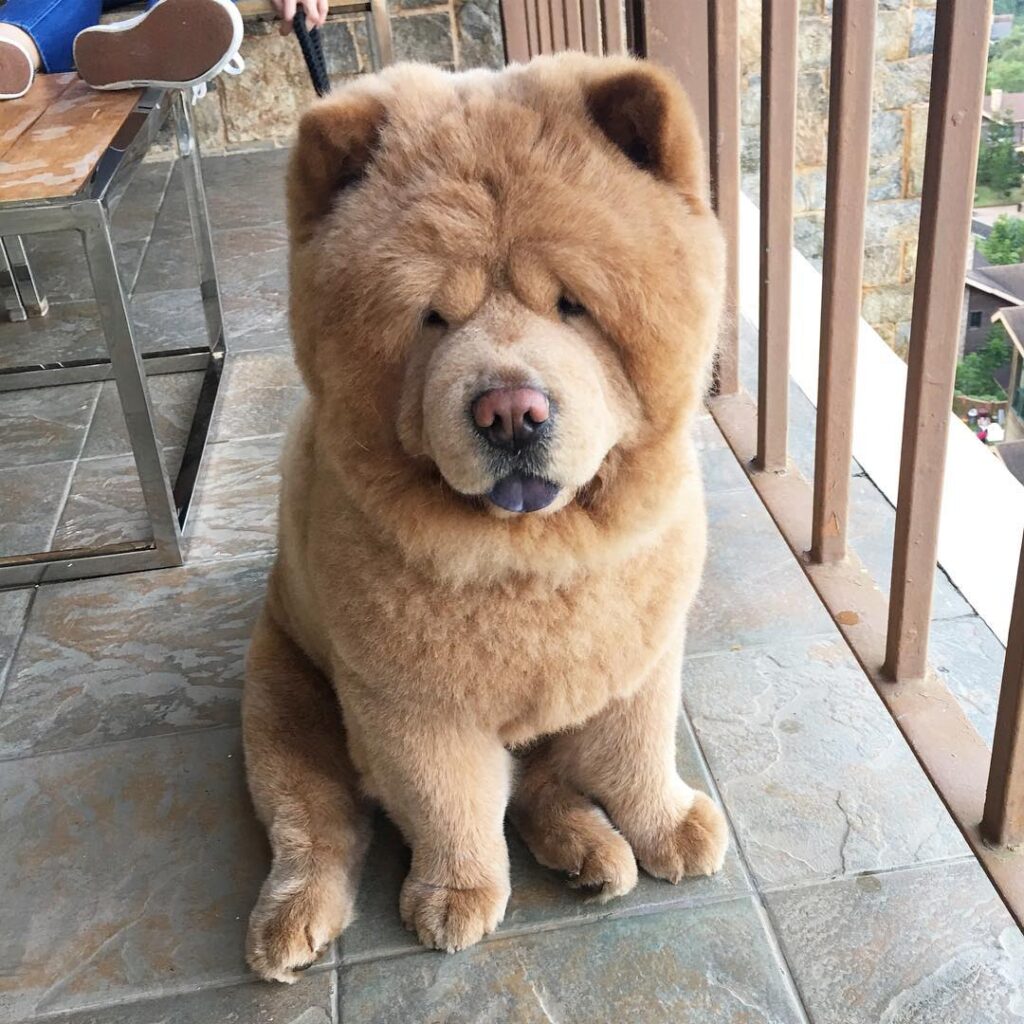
<point x="505" y="291"/>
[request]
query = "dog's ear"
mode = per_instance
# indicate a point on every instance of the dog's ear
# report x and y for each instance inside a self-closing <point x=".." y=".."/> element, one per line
<point x="335" y="145"/>
<point x="643" y="111"/>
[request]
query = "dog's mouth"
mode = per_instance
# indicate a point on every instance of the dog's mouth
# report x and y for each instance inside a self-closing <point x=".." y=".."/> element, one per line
<point x="523" y="492"/>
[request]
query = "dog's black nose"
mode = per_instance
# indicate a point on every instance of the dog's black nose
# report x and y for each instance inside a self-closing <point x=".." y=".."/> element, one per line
<point x="512" y="418"/>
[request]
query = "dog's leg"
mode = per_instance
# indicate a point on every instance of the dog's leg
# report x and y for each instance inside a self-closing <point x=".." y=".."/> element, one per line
<point x="567" y="831"/>
<point x="304" y="788"/>
<point x="625" y="758"/>
<point x="446" y="786"/>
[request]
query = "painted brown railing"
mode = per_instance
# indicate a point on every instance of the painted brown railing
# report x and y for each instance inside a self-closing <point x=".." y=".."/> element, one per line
<point x="698" y="39"/>
<point x="533" y="27"/>
<point x="983" y="790"/>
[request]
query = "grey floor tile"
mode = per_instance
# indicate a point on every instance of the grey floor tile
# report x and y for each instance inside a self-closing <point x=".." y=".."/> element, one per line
<point x="540" y="898"/>
<point x="309" y="1002"/>
<point x="872" y="527"/>
<point x="253" y="275"/>
<point x="13" y="607"/>
<point x="71" y="330"/>
<point x="235" y="506"/>
<point x="260" y="392"/>
<point x="753" y="591"/>
<point x="173" y="397"/>
<point x="104" y="505"/>
<point x="62" y="272"/>
<point x="41" y="425"/>
<point x="243" y="255"/>
<point x="242" y="190"/>
<point x="140" y="655"/>
<point x="816" y="776"/>
<point x="704" y="964"/>
<point x="31" y="499"/>
<point x="128" y="871"/>
<point x="135" y="214"/>
<point x="719" y="467"/>
<point x="969" y="657"/>
<point x="930" y="945"/>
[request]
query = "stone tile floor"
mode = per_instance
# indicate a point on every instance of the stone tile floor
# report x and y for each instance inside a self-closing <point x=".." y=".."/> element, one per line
<point x="129" y="856"/>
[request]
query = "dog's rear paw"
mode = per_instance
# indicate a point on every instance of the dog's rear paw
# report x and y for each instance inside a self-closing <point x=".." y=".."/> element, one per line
<point x="696" y="846"/>
<point x="291" y="927"/>
<point x="607" y="869"/>
<point x="448" y="918"/>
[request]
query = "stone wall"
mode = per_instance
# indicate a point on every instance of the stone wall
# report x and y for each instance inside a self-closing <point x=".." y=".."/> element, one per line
<point x="261" y="107"/>
<point x="902" y="73"/>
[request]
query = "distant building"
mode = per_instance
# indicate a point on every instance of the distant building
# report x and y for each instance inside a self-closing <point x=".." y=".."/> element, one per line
<point x="1002" y="26"/>
<point x="1005" y="106"/>
<point x="988" y="290"/>
<point x="1012" y="318"/>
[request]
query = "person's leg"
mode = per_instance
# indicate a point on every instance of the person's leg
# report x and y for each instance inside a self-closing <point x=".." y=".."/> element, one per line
<point x="46" y="29"/>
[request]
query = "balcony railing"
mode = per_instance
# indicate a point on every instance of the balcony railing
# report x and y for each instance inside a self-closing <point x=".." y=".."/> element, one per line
<point x="699" y="39"/>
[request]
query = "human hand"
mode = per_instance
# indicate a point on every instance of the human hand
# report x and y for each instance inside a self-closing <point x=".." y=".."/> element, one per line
<point x="316" y="12"/>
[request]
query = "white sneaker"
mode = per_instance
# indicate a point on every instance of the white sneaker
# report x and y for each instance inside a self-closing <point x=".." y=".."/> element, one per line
<point x="177" y="44"/>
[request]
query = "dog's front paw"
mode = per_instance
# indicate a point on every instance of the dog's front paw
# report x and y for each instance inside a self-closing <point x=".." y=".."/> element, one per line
<point x="291" y="927"/>
<point x="448" y="918"/>
<point x="695" y="846"/>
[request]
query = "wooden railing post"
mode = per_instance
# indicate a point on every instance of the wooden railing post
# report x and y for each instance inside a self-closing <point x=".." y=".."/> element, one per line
<point x="724" y="154"/>
<point x="778" y="154"/>
<point x="846" y="193"/>
<point x="954" y="119"/>
<point x="1003" y="822"/>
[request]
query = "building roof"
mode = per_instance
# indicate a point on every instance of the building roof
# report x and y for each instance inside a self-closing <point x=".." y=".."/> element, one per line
<point x="1012" y="318"/>
<point x="1012" y="454"/>
<point x="1008" y="104"/>
<point x="1005" y="282"/>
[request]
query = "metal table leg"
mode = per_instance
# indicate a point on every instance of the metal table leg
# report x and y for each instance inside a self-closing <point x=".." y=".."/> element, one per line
<point x="24" y="280"/>
<point x="14" y="310"/>
<point x="130" y="377"/>
<point x="199" y="218"/>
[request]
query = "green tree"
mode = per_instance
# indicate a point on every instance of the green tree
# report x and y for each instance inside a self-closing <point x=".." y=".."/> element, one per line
<point x="975" y="374"/>
<point x="1006" y="62"/>
<point x="1009" y="7"/>
<point x="1006" y="243"/>
<point x="1000" y="166"/>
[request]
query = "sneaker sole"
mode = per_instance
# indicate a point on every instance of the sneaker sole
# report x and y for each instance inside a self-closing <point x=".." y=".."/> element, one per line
<point x="177" y="44"/>
<point x="16" y="71"/>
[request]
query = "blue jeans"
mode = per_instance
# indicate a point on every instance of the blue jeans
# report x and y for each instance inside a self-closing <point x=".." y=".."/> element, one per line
<point x="53" y="25"/>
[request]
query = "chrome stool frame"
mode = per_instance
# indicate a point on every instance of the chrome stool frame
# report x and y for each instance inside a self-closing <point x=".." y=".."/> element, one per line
<point x="88" y="213"/>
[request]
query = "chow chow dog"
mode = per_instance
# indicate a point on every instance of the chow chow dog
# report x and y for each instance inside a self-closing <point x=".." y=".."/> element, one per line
<point x="505" y="289"/>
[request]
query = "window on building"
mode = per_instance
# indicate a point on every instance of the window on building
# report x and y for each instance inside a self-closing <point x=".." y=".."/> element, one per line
<point x="974" y="318"/>
<point x="1017" y="391"/>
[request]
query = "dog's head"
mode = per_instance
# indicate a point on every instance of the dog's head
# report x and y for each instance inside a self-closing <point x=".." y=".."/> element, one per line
<point x="505" y="290"/>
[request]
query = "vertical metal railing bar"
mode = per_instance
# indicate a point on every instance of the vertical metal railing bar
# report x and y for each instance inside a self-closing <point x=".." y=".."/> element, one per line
<point x="544" y="25"/>
<point x="1003" y="822"/>
<point x="532" y="28"/>
<point x="778" y="155"/>
<point x="516" y="32"/>
<point x="557" y="8"/>
<point x="614" y="20"/>
<point x="573" y="25"/>
<point x="724" y="153"/>
<point x="592" y="26"/>
<point x="846" y="193"/>
<point x="954" y="119"/>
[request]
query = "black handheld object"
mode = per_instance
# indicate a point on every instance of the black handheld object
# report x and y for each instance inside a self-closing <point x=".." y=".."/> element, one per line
<point x="312" y="52"/>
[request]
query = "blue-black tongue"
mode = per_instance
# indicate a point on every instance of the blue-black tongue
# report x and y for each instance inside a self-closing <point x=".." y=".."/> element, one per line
<point x="519" y="492"/>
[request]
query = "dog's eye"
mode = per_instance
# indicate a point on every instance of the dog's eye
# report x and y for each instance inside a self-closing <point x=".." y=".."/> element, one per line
<point x="567" y="307"/>
<point x="434" y="319"/>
